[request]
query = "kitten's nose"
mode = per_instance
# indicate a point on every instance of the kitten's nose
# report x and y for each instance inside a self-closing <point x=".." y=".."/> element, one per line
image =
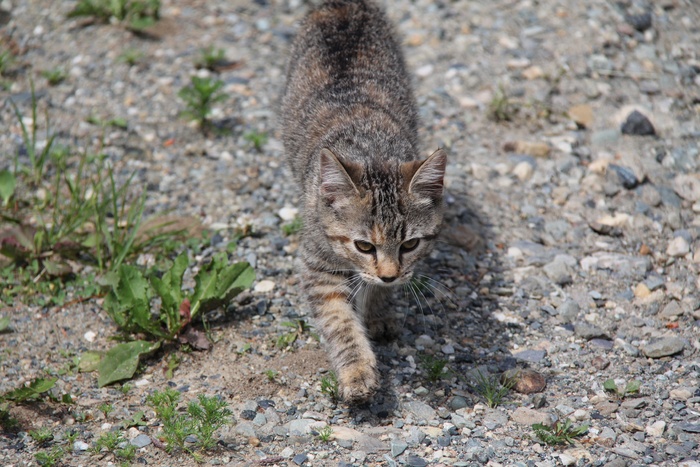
<point x="388" y="279"/>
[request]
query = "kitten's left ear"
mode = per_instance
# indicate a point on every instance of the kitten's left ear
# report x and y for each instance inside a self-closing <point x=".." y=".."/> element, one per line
<point x="427" y="181"/>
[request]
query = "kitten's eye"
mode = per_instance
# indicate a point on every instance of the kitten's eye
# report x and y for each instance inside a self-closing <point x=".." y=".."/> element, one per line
<point x="364" y="247"/>
<point x="409" y="245"/>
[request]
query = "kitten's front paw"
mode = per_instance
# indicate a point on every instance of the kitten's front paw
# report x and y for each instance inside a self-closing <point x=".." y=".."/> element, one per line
<point x="358" y="383"/>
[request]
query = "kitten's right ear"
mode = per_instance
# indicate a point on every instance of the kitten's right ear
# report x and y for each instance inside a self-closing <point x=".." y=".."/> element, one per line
<point x="335" y="180"/>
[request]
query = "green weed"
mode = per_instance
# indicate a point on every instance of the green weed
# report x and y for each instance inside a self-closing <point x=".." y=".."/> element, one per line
<point x="208" y="415"/>
<point x="106" y="409"/>
<point x="202" y="419"/>
<point x="490" y="388"/>
<point x="131" y="56"/>
<point x="211" y="57"/>
<point x="7" y="59"/>
<point x="271" y="375"/>
<point x="109" y="441"/>
<point x="34" y="390"/>
<point x="135" y="420"/>
<point x="632" y="387"/>
<point x="136" y="14"/>
<point x="8" y="423"/>
<point x="49" y="458"/>
<point x="42" y="435"/>
<point x="330" y="386"/>
<point x="325" y="434"/>
<point x="561" y="433"/>
<point x="293" y="227"/>
<point x="55" y="75"/>
<point x="298" y="328"/>
<point x="434" y="368"/>
<point x="199" y="98"/>
<point x="501" y="109"/>
<point x="117" y="122"/>
<point x="257" y="139"/>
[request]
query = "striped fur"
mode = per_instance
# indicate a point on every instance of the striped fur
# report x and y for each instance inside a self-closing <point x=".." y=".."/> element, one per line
<point x="371" y="207"/>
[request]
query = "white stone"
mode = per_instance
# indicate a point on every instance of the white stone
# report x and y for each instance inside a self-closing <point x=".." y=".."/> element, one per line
<point x="288" y="213"/>
<point x="678" y="247"/>
<point x="567" y="459"/>
<point x="515" y="252"/>
<point x="425" y="71"/>
<point x="80" y="446"/>
<point x="287" y="453"/>
<point x="523" y="171"/>
<point x="141" y="382"/>
<point x="264" y="286"/>
<point x="90" y="336"/>
<point x="656" y="429"/>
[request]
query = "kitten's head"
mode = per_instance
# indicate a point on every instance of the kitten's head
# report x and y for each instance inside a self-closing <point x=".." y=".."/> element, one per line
<point x="381" y="218"/>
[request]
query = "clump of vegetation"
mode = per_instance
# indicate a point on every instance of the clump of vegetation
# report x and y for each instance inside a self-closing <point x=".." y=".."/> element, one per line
<point x="501" y="109"/>
<point x="256" y="138"/>
<point x="632" y="387"/>
<point x="6" y="61"/>
<point x="297" y="329"/>
<point x="434" y="368"/>
<point x="202" y="419"/>
<point x="8" y="423"/>
<point x="135" y="14"/>
<point x="199" y="98"/>
<point x="271" y="375"/>
<point x="49" y="458"/>
<point x="561" y="433"/>
<point x="325" y="434"/>
<point x="55" y="75"/>
<point x="491" y="389"/>
<point x="330" y="386"/>
<point x="66" y="210"/>
<point x="42" y="436"/>
<point x="130" y="56"/>
<point x="293" y="227"/>
<point x="33" y="391"/>
<point x="210" y="58"/>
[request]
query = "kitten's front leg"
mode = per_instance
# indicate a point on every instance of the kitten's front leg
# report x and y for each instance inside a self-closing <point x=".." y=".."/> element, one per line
<point x="346" y="339"/>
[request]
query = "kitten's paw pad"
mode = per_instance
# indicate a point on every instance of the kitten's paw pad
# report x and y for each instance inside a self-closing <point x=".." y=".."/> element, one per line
<point x="385" y="330"/>
<point x="358" y="384"/>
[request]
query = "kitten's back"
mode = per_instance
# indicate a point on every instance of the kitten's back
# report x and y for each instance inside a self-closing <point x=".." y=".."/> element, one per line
<point x="347" y="89"/>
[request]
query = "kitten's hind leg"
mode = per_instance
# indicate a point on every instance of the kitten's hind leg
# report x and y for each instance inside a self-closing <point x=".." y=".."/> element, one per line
<point x="378" y="313"/>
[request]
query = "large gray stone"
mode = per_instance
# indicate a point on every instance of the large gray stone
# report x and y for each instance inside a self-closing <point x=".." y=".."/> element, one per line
<point x="420" y="410"/>
<point x="663" y="347"/>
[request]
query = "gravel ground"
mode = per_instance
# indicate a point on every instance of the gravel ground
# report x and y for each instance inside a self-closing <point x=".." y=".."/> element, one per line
<point x="571" y="248"/>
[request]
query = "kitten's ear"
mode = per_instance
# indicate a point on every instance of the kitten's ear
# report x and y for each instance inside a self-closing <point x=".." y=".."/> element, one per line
<point x="427" y="181"/>
<point x="335" y="180"/>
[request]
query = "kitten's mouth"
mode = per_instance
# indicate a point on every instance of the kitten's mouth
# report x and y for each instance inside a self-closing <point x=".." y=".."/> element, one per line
<point x="386" y="281"/>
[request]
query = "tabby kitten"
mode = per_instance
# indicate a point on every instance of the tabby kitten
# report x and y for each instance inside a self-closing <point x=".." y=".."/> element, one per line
<point x="371" y="209"/>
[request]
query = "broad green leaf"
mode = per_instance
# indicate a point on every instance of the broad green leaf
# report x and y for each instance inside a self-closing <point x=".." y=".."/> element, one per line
<point x="633" y="386"/>
<point x="610" y="385"/>
<point x="33" y="391"/>
<point x="7" y="185"/>
<point x="4" y="324"/>
<point x="128" y="303"/>
<point x="219" y="283"/>
<point x="109" y="279"/>
<point x="89" y="361"/>
<point x="169" y="287"/>
<point x="121" y="361"/>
